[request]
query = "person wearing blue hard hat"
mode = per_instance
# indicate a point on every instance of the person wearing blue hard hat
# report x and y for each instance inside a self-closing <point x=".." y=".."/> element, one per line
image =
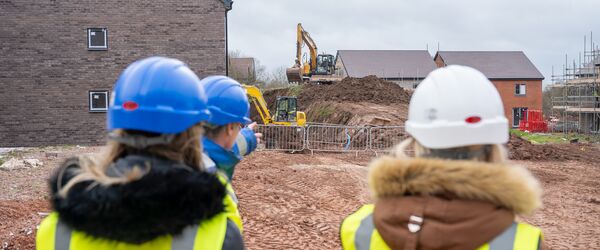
<point x="227" y="141"/>
<point x="150" y="189"/>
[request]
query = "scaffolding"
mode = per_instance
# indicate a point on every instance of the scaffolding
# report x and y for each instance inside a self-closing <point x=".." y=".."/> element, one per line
<point x="575" y="96"/>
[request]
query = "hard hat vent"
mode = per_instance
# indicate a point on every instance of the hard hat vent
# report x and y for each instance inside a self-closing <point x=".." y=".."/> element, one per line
<point x="473" y="119"/>
<point x="130" y="105"/>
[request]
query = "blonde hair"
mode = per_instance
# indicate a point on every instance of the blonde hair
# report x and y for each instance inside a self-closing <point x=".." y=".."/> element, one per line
<point x="497" y="154"/>
<point x="186" y="148"/>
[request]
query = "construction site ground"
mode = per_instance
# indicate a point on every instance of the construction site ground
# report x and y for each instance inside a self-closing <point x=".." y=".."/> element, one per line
<point x="297" y="201"/>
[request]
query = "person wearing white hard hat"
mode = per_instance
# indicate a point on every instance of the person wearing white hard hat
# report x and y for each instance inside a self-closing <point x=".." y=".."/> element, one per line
<point x="458" y="191"/>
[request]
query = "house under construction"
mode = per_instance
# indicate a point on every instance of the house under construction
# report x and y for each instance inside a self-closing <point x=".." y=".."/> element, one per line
<point x="576" y="93"/>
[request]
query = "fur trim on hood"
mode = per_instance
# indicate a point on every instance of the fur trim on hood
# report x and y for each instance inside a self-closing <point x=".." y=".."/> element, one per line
<point x="512" y="187"/>
<point x="164" y="201"/>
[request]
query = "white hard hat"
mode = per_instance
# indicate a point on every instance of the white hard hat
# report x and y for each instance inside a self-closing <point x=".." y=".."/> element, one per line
<point x="456" y="106"/>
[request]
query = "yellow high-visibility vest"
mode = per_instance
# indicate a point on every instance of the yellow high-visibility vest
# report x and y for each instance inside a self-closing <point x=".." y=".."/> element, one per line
<point x="358" y="233"/>
<point x="210" y="234"/>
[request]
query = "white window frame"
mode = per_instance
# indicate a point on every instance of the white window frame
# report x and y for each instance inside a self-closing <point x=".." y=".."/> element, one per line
<point x="89" y="43"/>
<point x="522" y="89"/>
<point x="90" y="98"/>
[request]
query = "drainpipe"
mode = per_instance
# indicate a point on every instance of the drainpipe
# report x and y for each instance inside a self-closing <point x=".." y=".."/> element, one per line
<point x="228" y="7"/>
<point x="226" y="46"/>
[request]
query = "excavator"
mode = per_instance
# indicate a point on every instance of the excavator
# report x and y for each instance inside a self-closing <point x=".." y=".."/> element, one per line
<point x="286" y="113"/>
<point x="320" y="69"/>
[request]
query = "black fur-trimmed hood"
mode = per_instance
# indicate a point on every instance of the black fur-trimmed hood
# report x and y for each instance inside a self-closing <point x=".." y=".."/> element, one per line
<point x="168" y="198"/>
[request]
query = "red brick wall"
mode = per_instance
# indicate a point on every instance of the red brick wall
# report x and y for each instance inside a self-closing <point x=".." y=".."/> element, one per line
<point x="46" y="69"/>
<point x="532" y="100"/>
<point x="439" y="62"/>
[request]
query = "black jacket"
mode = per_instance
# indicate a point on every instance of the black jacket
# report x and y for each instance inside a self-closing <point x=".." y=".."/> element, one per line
<point x="167" y="199"/>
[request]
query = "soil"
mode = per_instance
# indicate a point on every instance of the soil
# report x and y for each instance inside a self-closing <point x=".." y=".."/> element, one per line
<point x="18" y="222"/>
<point x="291" y="201"/>
<point x="367" y="89"/>
<point x="570" y="216"/>
<point x="521" y="149"/>
<point x="352" y="101"/>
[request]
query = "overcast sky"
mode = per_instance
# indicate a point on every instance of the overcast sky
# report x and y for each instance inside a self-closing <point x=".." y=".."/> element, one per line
<point x="545" y="30"/>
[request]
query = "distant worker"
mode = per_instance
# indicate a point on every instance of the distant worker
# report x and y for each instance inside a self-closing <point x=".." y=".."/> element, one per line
<point x="150" y="189"/>
<point x="226" y="140"/>
<point x="459" y="191"/>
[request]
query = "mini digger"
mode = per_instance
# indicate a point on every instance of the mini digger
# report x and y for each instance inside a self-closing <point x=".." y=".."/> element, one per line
<point x="286" y="112"/>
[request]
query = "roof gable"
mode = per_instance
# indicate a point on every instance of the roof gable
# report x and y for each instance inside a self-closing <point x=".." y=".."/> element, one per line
<point x="494" y="64"/>
<point x="387" y="63"/>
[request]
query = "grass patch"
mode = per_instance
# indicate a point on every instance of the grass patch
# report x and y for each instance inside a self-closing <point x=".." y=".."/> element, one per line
<point x="321" y="113"/>
<point x="550" y="138"/>
<point x="295" y="90"/>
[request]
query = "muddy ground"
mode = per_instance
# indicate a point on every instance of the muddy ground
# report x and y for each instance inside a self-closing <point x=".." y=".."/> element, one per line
<point x="297" y="201"/>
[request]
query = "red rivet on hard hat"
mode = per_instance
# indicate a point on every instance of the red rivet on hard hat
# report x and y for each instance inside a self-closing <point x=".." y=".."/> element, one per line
<point x="130" y="105"/>
<point x="473" y="119"/>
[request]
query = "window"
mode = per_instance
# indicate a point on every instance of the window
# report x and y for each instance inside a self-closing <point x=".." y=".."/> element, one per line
<point x="97" y="39"/>
<point x="518" y="114"/>
<point x="98" y="100"/>
<point x="520" y="89"/>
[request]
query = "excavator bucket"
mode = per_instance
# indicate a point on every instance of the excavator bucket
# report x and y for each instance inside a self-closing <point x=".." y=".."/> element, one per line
<point x="294" y="74"/>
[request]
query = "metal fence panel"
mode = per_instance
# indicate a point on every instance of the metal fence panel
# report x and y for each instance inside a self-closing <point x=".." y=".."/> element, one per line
<point x="281" y="138"/>
<point x="335" y="138"/>
<point x="385" y="138"/>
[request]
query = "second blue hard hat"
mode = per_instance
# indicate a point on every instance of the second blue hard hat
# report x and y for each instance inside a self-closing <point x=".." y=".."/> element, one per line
<point x="227" y="100"/>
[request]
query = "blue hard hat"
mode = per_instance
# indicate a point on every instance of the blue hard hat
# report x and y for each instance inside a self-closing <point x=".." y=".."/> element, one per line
<point x="227" y="100"/>
<point x="159" y="95"/>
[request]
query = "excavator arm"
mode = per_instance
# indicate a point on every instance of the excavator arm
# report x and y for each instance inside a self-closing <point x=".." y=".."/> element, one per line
<point x="259" y="102"/>
<point x="301" y="68"/>
<point x="304" y="36"/>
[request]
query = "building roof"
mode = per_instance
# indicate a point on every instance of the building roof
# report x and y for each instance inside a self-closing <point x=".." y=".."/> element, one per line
<point x="387" y="63"/>
<point x="494" y="64"/>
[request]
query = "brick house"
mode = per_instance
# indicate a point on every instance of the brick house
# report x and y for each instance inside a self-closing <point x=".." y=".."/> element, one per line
<point x="407" y="68"/>
<point x="243" y="69"/>
<point x="518" y="81"/>
<point x="60" y="59"/>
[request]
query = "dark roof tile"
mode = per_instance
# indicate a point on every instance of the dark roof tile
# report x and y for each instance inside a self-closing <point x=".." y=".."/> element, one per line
<point x="387" y="63"/>
<point x="494" y="64"/>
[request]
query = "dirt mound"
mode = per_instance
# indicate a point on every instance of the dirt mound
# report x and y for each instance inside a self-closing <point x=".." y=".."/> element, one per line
<point x="521" y="149"/>
<point x="367" y="89"/>
<point x="341" y="102"/>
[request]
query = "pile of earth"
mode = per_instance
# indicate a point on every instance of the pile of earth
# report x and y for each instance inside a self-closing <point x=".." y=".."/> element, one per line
<point x="367" y="89"/>
<point x="521" y="149"/>
<point x="321" y="101"/>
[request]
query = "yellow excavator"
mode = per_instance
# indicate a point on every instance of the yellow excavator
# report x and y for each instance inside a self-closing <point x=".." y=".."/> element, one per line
<point x="286" y="113"/>
<point x="320" y="68"/>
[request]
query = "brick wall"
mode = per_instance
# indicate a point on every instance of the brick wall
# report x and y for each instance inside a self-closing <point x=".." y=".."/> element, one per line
<point x="532" y="99"/>
<point x="46" y="70"/>
<point x="439" y="62"/>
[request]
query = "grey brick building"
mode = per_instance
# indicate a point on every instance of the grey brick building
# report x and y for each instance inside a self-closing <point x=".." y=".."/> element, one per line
<point x="59" y="59"/>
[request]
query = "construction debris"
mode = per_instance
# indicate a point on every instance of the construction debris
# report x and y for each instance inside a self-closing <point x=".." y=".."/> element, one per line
<point x="15" y="163"/>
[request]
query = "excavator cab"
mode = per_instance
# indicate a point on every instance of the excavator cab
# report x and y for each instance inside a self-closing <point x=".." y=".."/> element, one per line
<point x="286" y="109"/>
<point x="325" y="65"/>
